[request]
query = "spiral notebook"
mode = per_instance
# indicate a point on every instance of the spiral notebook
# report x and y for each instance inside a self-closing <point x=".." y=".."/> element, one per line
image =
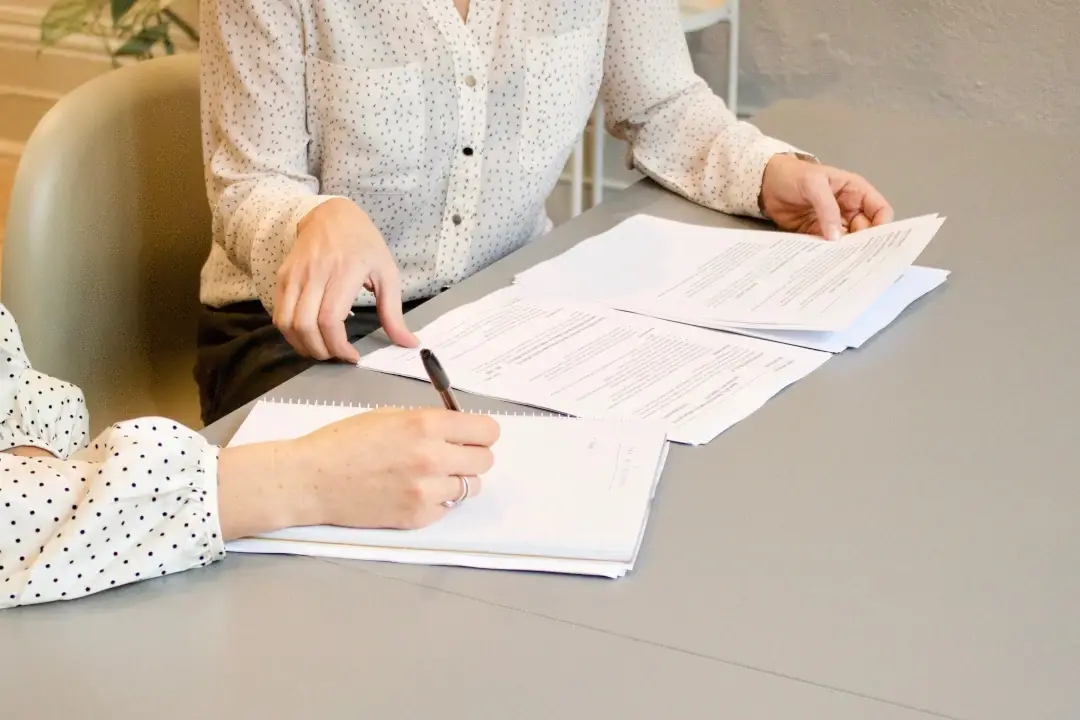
<point x="565" y="495"/>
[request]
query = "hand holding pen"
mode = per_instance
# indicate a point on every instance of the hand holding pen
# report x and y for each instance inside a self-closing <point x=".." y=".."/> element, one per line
<point x="441" y="381"/>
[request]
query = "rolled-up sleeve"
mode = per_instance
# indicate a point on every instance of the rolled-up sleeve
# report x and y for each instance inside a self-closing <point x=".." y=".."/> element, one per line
<point x="681" y="134"/>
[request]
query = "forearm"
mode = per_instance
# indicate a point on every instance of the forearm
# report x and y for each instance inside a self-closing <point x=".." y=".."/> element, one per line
<point x="681" y="134"/>
<point x="695" y="147"/>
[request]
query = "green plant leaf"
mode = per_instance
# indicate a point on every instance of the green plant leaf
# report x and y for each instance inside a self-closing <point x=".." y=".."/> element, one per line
<point x="66" y="17"/>
<point x="181" y="24"/>
<point x="143" y="42"/>
<point x="120" y="8"/>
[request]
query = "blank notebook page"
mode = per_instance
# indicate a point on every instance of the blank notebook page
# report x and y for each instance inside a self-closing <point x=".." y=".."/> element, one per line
<point x="560" y="487"/>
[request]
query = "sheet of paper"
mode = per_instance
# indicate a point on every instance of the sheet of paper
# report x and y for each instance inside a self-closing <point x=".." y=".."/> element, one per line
<point x="586" y="502"/>
<point x="722" y="278"/>
<point x="588" y="360"/>
<point x="523" y="563"/>
<point x="911" y="286"/>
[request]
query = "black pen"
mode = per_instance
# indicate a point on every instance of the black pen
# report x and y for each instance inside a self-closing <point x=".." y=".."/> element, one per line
<point x="439" y="379"/>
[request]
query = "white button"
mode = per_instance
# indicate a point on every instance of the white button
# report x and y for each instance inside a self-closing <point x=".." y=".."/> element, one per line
<point x="470" y="81"/>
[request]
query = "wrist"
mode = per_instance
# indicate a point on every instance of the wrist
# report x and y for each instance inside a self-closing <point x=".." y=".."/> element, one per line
<point x="262" y="488"/>
<point x="329" y="210"/>
<point x="32" y="451"/>
<point x="774" y="165"/>
<point x="773" y="168"/>
<point x="296" y="463"/>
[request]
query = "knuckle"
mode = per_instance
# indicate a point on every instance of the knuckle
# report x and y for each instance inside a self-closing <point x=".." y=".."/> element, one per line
<point x="416" y="508"/>
<point x="426" y="461"/>
<point x="426" y="423"/>
<point x="414" y="495"/>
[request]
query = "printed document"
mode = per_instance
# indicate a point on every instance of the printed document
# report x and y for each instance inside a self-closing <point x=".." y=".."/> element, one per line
<point x="725" y="278"/>
<point x="588" y="360"/>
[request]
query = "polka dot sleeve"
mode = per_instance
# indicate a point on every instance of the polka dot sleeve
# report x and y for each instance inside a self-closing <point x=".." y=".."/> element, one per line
<point x="139" y="502"/>
<point x="36" y="410"/>
<point x="681" y="134"/>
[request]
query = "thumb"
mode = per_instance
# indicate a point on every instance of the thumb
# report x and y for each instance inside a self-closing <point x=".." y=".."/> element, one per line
<point x="387" y="287"/>
<point x="820" y="194"/>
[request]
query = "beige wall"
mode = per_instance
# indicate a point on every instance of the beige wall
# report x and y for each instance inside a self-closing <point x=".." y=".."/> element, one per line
<point x="942" y="57"/>
<point x="30" y="82"/>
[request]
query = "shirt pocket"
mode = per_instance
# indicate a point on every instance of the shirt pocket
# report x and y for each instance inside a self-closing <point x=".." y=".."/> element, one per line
<point x="369" y="123"/>
<point x="562" y="78"/>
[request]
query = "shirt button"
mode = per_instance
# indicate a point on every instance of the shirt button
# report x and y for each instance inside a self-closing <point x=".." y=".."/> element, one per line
<point x="468" y="151"/>
<point x="456" y="219"/>
<point x="470" y="81"/>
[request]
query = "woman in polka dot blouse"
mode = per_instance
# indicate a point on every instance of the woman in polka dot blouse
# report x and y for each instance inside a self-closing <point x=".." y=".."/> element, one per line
<point x="149" y="497"/>
<point x="367" y="153"/>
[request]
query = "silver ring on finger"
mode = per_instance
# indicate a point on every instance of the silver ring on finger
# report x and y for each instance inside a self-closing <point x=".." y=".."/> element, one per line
<point x="464" y="493"/>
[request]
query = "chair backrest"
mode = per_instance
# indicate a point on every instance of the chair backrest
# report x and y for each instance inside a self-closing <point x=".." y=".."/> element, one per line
<point x="108" y="228"/>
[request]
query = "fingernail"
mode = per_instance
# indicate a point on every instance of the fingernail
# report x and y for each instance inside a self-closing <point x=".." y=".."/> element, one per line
<point x="833" y="234"/>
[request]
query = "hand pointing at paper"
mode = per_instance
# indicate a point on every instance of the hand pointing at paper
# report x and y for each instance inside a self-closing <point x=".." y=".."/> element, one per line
<point x="803" y="196"/>
<point x="338" y="251"/>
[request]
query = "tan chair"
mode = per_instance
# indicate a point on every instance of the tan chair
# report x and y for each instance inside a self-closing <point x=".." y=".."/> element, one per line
<point x="108" y="228"/>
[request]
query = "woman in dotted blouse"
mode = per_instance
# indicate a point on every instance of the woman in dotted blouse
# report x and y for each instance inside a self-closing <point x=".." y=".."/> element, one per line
<point x="149" y="497"/>
<point x="367" y="153"/>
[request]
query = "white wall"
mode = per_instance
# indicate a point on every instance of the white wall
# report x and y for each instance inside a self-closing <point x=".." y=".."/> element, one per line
<point x="946" y="57"/>
<point x="994" y="61"/>
<point x="939" y="57"/>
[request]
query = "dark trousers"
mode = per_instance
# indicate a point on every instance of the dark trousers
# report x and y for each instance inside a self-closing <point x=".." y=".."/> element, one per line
<point x="241" y="355"/>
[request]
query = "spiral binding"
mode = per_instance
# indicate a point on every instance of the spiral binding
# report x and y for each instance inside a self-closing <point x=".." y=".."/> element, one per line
<point x="355" y="406"/>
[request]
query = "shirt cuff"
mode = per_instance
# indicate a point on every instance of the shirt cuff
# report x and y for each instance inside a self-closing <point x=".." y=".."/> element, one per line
<point x="208" y="464"/>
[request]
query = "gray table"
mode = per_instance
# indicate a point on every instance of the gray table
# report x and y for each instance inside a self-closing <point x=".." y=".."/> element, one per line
<point x="893" y="537"/>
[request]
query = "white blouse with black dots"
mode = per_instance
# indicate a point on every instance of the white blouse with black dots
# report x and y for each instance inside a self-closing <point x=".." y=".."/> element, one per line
<point x="449" y="133"/>
<point x="138" y="502"/>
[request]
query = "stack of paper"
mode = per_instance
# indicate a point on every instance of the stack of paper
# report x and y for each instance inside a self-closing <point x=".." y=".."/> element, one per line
<point x="591" y="361"/>
<point x="774" y="285"/>
<point x="565" y="495"/>
<point x="624" y="325"/>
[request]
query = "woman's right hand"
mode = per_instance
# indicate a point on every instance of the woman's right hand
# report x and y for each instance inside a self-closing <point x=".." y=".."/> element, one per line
<point x="379" y="469"/>
<point x="395" y="468"/>
<point x="338" y="251"/>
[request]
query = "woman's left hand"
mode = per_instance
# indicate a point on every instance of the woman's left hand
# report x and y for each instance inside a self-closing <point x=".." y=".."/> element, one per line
<point x="803" y="196"/>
